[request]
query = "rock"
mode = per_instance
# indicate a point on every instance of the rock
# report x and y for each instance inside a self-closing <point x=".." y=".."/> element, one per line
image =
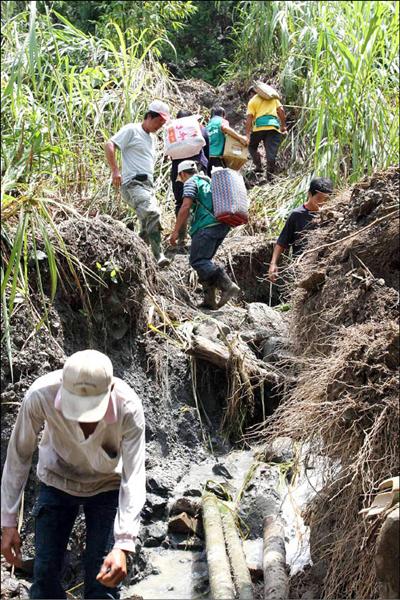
<point x="154" y="534"/>
<point x="156" y="484"/>
<point x="155" y="507"/>
<point x="266" y="318"/>
<point x="272" y="348"/>
<point x="387" y="556"/>
<point x="187" y="505"/>
<point x="180" y="541"/>
<point x="280" y="451"/>
<point x="197" y="492"/>
<point x="253" y="551"/>
<point x="220" y="469"/>
<point x="183" y="523"/>
<point x="212" y="329"/>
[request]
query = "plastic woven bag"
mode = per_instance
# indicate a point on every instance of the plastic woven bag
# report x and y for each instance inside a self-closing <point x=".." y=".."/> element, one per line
<point x="266" y="91"/>
<point x="230" y="202"/>
<point x="183" y="137"/>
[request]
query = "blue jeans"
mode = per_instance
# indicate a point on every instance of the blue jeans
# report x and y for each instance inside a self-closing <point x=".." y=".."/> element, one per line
<point x="55" y="513"/>
<point x="205" y="244"/>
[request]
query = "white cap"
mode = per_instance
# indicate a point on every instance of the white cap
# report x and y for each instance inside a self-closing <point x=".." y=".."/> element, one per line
<point x="86" y="386"/>
<point x="161" y="108"/>
<point x="186" y="165"/>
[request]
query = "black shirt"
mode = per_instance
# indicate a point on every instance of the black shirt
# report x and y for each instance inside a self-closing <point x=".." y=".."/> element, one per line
<point x="298" y="220"/>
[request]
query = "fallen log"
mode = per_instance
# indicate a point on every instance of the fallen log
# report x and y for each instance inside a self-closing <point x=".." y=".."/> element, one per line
<point x="221" y="356"/>
<point x="221" y="585"/>
<point x="276" y="581"/>
<point x="241" y="573"/>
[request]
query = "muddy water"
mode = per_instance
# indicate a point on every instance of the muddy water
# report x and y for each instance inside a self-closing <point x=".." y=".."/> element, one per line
<point x="183" y="574"/>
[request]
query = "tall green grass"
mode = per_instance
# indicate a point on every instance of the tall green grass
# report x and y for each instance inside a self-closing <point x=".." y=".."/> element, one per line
<point x="63" y="94"/>
<point x="338" y="62"/>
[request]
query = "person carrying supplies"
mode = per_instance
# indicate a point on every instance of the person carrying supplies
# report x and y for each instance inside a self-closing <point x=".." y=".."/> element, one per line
<point x="137" y="146"/>
<point x="292" y="235"/>
<point x="265" y="122"/>
<point x="91" y="454"/>
<point x="217" y="128"/>
<point x="207" y="235"/>
<point x="177" y="186"/>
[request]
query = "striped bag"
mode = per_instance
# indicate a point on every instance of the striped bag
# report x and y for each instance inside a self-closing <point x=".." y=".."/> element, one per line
<point x="229" y="195"/>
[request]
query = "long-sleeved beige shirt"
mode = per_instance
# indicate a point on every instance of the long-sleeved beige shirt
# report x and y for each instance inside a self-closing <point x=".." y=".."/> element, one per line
<point x="111" y="457"/>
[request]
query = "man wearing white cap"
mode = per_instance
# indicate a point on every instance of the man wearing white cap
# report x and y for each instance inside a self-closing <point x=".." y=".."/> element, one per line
<point x="91" y="454"/>
<point x="137" y="146"/>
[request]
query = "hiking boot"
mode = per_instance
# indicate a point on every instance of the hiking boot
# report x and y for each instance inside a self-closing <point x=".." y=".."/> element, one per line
<point x="210" y="300"/>
<point x="163" y="261"/>
<point x="227" y="287"/>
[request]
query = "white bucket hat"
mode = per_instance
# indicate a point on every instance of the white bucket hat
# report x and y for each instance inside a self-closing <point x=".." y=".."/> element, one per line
<point x="86" y="386"/>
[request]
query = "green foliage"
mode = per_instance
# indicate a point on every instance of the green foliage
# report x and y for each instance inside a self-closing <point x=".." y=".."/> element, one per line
<point x="63" y="93"/>
<point x="337" y="63"/>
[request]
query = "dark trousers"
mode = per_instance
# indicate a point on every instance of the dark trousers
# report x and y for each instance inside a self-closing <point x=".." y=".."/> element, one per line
<point x="205" y="244"/>
<point x="214" y="161"/>
<point x="271" y="140"/>
<point x="55" y="513"/>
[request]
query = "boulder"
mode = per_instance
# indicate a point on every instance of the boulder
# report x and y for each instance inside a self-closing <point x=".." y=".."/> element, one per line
<point x="183" y="523"/>
<point x="189" y="506"/>
<point x="265" y="317"/>
<point x="154" y="534"/>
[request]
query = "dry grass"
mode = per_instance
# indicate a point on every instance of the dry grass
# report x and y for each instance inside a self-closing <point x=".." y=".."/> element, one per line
<point x="345" y="402"/>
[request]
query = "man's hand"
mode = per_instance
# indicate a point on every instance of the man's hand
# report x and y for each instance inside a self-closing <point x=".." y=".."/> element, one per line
<point x="173" y="238"/>
<point x="10" y="545"/>
<point x="113" y="570"/>
<point x="273" y="272"/>
<point x="116" y="178"/>
<point x="283" y="130"/>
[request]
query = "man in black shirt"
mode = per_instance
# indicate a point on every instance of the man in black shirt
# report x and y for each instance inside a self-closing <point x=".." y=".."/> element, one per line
<point x="299" y="219"/>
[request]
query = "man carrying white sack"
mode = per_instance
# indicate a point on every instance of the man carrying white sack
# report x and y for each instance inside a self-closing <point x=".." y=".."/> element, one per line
<point x="138" y="153"/>
<point x="207" y="235"/>
<point x="92" y="455"/>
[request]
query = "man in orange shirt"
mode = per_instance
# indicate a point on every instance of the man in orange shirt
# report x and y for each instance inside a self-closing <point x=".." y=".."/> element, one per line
<point x="266" y="122"/>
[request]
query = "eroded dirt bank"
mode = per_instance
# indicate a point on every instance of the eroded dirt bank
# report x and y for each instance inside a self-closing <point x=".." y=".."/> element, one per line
<point x="149" y="325"/>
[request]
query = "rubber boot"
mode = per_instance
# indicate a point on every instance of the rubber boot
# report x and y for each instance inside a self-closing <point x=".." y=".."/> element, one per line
<point x="210" y="300"/>
<point x="271" y="166"/>
<point x="155" y="244"/>
<point x="227" y="287"/>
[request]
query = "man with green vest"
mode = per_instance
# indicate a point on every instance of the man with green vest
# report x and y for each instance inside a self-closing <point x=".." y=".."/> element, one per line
<point x="266" y="122"/>
<point x="217" y="128"/>
<point x="207" y="235"/>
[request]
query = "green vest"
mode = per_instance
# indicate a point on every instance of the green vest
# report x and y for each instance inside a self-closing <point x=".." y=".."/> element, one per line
<point x="217" y="137"/>
<point x="202" y="207"/>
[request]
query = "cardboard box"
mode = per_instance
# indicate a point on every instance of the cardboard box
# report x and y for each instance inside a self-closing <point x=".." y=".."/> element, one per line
<point x="235" y="154"/>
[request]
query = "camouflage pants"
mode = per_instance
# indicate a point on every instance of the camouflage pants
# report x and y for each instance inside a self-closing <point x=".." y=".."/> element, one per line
<point x="140" y="196"/>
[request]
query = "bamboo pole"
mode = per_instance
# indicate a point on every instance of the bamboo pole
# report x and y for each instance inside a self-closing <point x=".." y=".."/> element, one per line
<point x="221" y="585"/>
<point x="241" y="574"/>
<point x="276" y="581"/>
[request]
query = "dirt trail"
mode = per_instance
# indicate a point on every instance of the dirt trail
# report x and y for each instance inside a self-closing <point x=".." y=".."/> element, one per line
<point x="186" y="399"/>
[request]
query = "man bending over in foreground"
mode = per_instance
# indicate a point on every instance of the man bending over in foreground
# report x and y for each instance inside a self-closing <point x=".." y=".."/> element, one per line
<point x="92" y="455"/>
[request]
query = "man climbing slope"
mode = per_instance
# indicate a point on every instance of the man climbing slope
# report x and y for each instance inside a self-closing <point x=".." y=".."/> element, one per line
<point x="91" y="454"/>
<point x="217" y="128"/>
<point x="206" y="232"/>
<point x="136" y="143"/>
<point x="292" y="235"/>
<point x="265" y="122"/>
